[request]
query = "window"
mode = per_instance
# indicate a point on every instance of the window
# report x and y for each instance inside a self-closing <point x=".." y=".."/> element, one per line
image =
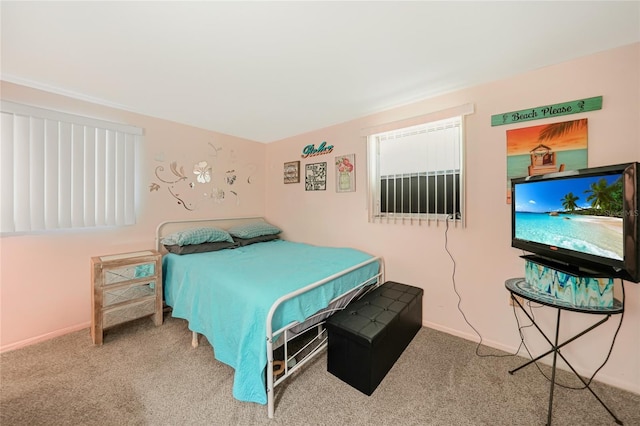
<point x="416" y="172"/>
<point x="61" y="171"/>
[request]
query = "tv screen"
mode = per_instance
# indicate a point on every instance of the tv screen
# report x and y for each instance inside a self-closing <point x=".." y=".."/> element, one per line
<point x="585" y="220"/>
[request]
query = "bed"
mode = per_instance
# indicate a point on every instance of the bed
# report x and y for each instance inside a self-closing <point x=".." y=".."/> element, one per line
<point x="261" y="289"/>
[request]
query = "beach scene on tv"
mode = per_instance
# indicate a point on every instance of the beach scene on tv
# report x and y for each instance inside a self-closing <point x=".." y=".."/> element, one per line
<point x="584" y="214"/>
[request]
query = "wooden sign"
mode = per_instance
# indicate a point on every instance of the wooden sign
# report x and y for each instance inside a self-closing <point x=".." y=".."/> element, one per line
<point x="547" y="111"/>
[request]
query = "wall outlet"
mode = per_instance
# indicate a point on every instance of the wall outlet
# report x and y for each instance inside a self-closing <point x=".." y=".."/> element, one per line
<point x="519" y="298"/>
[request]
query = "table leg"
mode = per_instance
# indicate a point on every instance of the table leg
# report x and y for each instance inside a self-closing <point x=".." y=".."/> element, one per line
<point x="553" y="370"/>
<point x="555" y="348"/>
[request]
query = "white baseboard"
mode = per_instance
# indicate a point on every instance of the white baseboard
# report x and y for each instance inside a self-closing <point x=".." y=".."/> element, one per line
<point x="43" y="337"/>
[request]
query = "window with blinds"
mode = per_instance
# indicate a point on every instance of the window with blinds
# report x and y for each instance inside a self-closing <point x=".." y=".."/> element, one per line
<point x="416" y="172"/>
<point x="62" y="171"/>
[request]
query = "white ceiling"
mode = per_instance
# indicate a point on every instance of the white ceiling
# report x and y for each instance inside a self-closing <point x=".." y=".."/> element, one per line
<point x="269" y="70"/>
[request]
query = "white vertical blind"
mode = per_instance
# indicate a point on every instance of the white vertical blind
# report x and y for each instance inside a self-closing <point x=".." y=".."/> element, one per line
<point x="36" y="173"/>
<point x="416" y="172"/>
<point x="64" y="171"/>
<point x="52" y="174"/>
<point x="7" y="131"/>
<point x="100" y="181"/>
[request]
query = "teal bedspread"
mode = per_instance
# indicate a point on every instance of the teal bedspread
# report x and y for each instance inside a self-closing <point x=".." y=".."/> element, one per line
<point x="226" y="295"/>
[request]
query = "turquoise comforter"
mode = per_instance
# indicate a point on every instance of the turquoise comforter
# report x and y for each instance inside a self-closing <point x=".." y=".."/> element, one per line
<point x="226" y="295"/>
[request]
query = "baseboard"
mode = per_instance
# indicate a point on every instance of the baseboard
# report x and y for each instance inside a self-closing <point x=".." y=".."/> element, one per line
<point x="43" y="337"/>
<point x="602" y="378"/>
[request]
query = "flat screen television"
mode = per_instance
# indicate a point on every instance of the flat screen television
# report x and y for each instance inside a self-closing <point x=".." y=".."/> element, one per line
<point x="583" y="222"/>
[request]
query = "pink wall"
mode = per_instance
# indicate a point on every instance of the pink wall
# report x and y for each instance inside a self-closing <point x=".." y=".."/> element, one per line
<point x="45" y="278"/>
<point x="484" y="259"/>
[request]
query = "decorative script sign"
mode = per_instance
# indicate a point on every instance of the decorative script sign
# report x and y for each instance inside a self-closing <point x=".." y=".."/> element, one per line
<point x="311" y="150"/>
<point x="555" y="110"/>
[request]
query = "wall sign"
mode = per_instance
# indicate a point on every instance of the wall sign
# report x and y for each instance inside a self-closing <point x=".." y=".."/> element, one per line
<point x="547" y="111"/>
<point x="311" y="150"/>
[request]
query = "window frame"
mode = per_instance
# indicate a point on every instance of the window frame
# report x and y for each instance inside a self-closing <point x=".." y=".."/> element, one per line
<point x="60" y="171"/>
<point x="375" y="180"/>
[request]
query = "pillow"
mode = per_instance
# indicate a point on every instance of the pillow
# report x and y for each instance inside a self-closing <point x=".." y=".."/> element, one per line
<point x="200" y="248"/>
<point x="254" y="229"/>
<point x="241" y="242"/>
<point x="197" y="236"/>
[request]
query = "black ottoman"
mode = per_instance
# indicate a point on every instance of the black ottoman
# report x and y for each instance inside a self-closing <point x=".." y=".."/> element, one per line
<point x="369" y="335"/>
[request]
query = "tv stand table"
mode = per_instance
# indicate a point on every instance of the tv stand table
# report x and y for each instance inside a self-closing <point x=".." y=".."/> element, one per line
<point x="519" y="287"/>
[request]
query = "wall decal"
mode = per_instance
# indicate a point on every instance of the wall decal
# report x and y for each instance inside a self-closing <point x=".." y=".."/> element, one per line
<point x="315" y="177"/>
<point x="547" y="111"/>
<point x="346" y="173"/>
<point x="545" y="149"/>
<point x="203" y="171"/>
<point x="215" y="150"/>
<point x="251" y="169"/>
<point x="311" y="150"/>
<point x="230" y="177"/>
<point x="192" y="190"/>
<point x="292" y="172"/>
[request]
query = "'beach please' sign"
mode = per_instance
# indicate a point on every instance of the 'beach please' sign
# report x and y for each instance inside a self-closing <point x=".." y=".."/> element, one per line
<point x="547" y="111"/>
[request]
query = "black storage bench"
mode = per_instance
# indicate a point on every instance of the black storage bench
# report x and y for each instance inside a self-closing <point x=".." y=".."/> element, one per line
<point x="369" y="335"/>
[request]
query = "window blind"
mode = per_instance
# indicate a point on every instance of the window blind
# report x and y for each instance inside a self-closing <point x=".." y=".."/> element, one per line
<point x="63" y="171"/>
<point x="416" y="172"/>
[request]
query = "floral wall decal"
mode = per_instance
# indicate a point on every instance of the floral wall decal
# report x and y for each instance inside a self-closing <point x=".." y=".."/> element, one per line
<point x="215" y="150"/>
<point x="231" y="177"/>
<point x="203" y="171"/>
<point x="203" y="185"/>
<point x="174" y="169"/>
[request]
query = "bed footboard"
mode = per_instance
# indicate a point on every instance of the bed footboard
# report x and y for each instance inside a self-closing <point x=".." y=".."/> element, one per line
<point x="279" y="370"/>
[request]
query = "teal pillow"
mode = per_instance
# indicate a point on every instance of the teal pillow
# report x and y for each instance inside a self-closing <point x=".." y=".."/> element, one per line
<point x="197" y="236"/>
<point x="253" y="229"/>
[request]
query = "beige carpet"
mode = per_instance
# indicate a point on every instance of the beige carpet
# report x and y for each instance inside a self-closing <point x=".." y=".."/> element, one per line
<point x="147" y="375"/>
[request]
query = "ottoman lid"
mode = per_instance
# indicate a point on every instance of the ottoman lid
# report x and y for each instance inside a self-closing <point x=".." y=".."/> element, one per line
<point x="367" y="319"/>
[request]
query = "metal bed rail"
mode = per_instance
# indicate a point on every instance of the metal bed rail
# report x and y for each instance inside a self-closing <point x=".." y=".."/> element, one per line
<point x="321" y="337"/>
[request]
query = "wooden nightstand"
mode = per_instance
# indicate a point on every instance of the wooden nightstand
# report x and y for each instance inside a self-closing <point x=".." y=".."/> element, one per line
<point x="126" y="286"/>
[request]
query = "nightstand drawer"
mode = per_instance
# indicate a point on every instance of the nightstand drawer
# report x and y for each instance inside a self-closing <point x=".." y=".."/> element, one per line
<point x="128" y="312"/>
<point x="112" y="296"/>
<point x="128" y="273"/>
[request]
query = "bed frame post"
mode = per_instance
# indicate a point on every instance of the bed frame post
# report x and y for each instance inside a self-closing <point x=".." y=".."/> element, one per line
<point x="270" y="387"/>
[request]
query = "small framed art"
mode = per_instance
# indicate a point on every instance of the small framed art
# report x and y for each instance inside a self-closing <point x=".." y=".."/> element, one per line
<point x="315" y="178"/>
<point x="292" y="172"/>
<point x="346" y="173"/>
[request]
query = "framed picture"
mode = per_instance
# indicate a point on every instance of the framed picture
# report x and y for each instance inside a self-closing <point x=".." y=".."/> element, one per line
<point x="346" y="173"/>
<point x="315" y="177"/>
<point x="292" y="172"/>
<point x="547" y="148"/>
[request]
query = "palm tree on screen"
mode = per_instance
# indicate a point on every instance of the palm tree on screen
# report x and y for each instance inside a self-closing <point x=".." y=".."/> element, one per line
<point x="600" y="194"/>
<point x="569" y="201"/>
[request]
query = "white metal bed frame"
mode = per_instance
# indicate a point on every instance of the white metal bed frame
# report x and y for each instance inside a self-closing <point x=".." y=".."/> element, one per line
<point x="284" y="335"/>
